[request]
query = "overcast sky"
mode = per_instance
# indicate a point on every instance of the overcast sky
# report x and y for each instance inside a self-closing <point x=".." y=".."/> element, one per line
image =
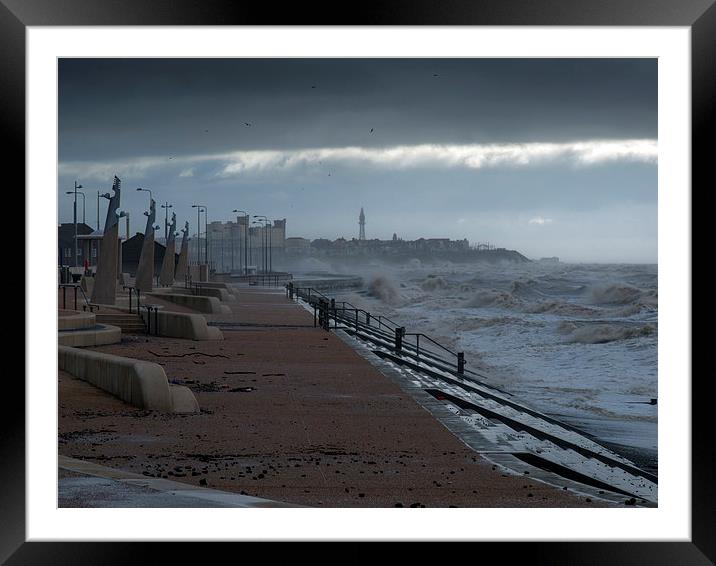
<point x="545" y="156"/>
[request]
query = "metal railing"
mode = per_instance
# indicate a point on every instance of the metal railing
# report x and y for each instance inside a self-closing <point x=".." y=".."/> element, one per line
<point x="267" y="279"/>
<point x="347" y="314"/>
<point x="148" y="324"/>
<point x="76" y="287"/>
<point x="133" y="290"/>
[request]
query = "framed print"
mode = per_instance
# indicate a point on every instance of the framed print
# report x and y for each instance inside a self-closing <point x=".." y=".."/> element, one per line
<point x="388" y="279"/>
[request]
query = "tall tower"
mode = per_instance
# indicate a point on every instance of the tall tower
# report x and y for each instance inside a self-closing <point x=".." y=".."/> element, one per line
<point x="361" y="223"/>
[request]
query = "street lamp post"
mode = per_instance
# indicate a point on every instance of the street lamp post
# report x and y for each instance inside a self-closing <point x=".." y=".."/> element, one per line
<point x="262" y="247"/>
<point x="84" y="219"/>
<point x="264" y="239"/>
<point x="166" y="206"/>
<point x="147" y="191"/>
<point x="206" y="241"/>
<point x="247" y="243"/>
<point x="198" y="231"/>
<point x="77" y="186"/>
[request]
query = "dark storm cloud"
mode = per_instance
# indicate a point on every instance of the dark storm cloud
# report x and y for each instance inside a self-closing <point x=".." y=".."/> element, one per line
<point x="546" y="156"/>
<point x="122" y="108"/>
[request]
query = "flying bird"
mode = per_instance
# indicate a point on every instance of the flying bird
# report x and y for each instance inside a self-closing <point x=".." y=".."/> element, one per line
<point x="435" y="75"/>
<point x="247" y="124"/>
<point x="313" y="86"/>
<point x="371" y="130"/>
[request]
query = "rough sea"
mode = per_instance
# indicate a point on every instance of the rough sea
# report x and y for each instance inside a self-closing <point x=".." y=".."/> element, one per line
<point x="575" y="341"/>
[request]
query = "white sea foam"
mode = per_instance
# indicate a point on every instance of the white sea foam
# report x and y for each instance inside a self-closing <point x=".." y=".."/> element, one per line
<point x="578" y="341"/>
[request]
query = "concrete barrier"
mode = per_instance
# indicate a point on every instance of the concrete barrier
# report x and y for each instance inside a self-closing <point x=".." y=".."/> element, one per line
<point x="220" y="285"/>
<point x="98" y="335"/>
<point x="139" y="383"/>
<point x="182" y="325"/>
<point x="221" y="294"/>
<point x="74" y="320"/>
<point x="210" y="305"/>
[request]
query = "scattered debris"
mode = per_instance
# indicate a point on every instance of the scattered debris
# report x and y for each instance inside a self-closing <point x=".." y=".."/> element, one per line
<point x="188" y="354"/>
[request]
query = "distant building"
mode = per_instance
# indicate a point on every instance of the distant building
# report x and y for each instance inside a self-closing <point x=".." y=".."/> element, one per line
<point x="229" y="248"/>
<point x="66" y="245"/>
<point x="361" y="224"/>
<point x="132" y="249"/>
<point x="297" y="246"/>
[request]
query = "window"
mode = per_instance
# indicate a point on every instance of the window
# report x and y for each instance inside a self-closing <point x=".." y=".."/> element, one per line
<point x="68" y="252"/>
<point x="94" y="251"/>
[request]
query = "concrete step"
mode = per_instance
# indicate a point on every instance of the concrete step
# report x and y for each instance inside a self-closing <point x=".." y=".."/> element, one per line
<point x="129" y="323"/>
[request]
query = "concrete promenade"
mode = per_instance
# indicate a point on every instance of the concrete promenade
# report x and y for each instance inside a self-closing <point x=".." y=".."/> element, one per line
<point x="289" y="413"/>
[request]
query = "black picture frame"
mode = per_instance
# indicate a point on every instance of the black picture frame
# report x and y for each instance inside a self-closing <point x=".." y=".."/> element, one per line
<point x="699" y="15"/>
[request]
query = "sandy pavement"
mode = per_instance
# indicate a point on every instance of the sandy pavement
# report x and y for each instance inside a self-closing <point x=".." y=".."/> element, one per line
<point x="291" y="413"/>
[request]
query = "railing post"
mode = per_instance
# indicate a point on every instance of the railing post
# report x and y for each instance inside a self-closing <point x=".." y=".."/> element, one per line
<point x="75" y="297"/>
<point x="461" y="363"/>
<point x="314" y="315"/>
<point x="64" y="298"/>
<point x="356" y="320"/>
<point x="417" y="349"/>
<point x="367" y="318"/>
<point x="399" y="332"/>
<point x="326" y="318"/>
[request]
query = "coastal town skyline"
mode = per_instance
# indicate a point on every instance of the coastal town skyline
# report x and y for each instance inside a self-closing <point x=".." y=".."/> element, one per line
<point x="548" y="157"/>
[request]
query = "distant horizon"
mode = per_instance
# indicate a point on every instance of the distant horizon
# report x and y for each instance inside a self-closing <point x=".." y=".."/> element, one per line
<point x="550" y="157"/>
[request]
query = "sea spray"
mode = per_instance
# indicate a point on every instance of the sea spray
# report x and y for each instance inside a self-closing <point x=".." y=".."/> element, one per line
<point x="382" y="288"/>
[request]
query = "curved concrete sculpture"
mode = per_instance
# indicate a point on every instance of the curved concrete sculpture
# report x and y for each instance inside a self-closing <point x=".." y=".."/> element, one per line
<point x="105" y="284"/>
<point x="145" y="269"/>
<point x="139" y="383"/>
<point x="166" y="277"/>
<point x="182" y="264"/>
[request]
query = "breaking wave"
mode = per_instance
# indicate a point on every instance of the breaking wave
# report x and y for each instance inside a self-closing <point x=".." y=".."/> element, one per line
<point x="560" y="308"/>
<point x="493" y="298"/>
<point x="622" y="294"/>
<point x="383" y="289"/>
<point x="604" y="333"/>
<point x="433" y="283"/>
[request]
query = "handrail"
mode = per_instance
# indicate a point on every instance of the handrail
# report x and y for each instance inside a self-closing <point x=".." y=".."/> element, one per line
<point x="298" y="290"/>
<point x="148" y="324"/>
<point x="323" y="312"/>
<point x="419" y="334"/>
<point x="77" y="286"/>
